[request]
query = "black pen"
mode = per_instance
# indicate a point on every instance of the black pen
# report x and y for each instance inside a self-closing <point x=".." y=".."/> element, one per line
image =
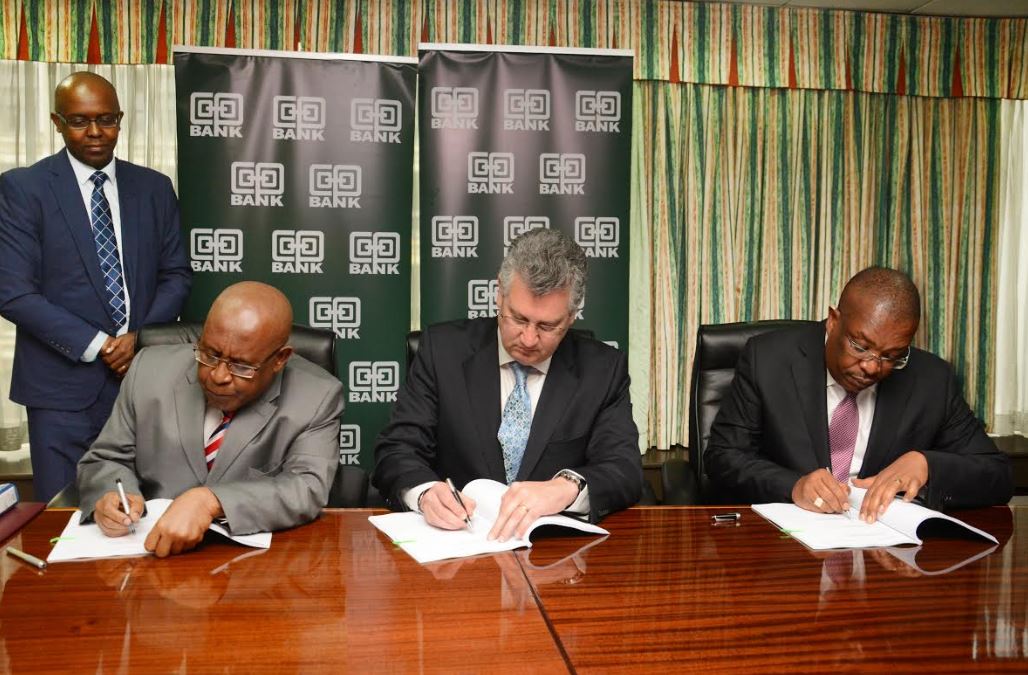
<point x="456" y="495"/>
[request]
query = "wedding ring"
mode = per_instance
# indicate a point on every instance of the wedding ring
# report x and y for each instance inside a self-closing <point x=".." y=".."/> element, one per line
<point x="899" y="480"/>
<point x="522" y="506"/>
<point x="818" y="503"/>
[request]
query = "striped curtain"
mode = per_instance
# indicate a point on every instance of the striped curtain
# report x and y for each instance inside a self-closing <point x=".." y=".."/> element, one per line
<point x="761" y="203"/>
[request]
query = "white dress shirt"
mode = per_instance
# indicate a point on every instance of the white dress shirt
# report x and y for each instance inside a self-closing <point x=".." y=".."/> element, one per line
<point x="83" y="173"/>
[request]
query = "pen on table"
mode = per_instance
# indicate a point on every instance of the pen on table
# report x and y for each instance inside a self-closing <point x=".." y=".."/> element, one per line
<point x="124" y="503"/>
<point x="30" y="559"/>
<point x="726" y="517"/>
<point x="456" y="495"/>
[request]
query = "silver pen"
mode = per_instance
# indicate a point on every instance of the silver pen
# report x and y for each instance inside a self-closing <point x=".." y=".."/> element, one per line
<point x="125" y="503"/>
<point x="30" y="559"/>
<point x="456" y="495"/>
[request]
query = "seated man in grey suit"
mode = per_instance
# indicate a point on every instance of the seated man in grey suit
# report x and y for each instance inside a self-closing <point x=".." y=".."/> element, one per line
<point x="237" y="427"/>
<point x="517" y="399"/>
<point x="811" y="408"/>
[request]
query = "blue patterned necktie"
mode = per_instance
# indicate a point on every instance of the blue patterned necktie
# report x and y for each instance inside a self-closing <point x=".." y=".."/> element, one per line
<point x="516" y="422"/>
<point x="107" y="248"/>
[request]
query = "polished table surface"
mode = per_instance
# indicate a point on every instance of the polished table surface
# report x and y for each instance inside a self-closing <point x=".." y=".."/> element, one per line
<point x="667" y="591"/>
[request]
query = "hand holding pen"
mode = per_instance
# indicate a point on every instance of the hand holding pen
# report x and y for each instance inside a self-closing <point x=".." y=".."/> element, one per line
<point x="117" y="512"/>
<point x="446" y="508"/>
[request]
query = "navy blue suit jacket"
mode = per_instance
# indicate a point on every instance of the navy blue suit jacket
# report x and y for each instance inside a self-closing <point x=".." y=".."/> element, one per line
<point x="51" y="286"/>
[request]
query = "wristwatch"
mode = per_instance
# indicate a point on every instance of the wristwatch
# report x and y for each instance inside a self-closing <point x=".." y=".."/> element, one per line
<point x="570" y="475"/>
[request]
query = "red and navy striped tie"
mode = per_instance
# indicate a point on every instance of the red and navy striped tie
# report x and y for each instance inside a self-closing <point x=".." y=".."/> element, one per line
<point x="214" y="442"/>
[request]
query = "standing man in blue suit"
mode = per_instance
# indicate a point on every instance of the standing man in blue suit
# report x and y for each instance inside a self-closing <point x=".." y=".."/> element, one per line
<point x="89" y="251"/>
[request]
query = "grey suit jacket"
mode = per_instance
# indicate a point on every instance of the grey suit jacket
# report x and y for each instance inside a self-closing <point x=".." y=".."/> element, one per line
<point x="276" y="463"/>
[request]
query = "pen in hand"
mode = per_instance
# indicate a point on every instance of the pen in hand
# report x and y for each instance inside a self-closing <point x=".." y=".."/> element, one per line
<point x="456" y="495"/>
<point x="125" y="503"/>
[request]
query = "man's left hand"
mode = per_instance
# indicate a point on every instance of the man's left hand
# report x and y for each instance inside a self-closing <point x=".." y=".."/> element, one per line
<point x="908" y="474"/>
<point x="117" y="353"/>
<point x="184" y="523"/>
<point x="524" y="502"/>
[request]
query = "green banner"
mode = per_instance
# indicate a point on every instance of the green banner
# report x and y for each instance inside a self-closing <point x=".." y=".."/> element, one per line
<point x="296" y="170"/>
<point x="514" y="139"/>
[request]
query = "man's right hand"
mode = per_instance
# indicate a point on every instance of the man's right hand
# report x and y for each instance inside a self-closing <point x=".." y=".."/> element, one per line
<point x="819" y="491"/>
<point x="442" y="510"/>
<point x="112" y="520"/>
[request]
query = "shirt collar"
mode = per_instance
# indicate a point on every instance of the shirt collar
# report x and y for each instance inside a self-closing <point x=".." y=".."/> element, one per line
<point x="505" y="358"/>
<point x="84" y="171"/>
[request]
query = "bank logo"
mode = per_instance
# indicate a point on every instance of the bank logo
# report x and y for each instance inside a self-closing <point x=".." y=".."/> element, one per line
<point x="335" y="186"/>
<point x="454" y="108"/>
<point x="526" y="110"/>
<point x="299" y="118"/>
<point x="297" y="251"/>
<point x="491" y="173"/>
<point x="375" y="120"/>
<point x="597" y="111"/>
<point x="562" y="173"/>
<point x="515" y="226"/>
<point x="482" y="297"/>
<point x="598" y="236"/>
<point x="215" y="114"/>
<point x="216" y="250"/>
<point x="257" y="184"/>
<point x="374" y="381"/>
<point x="374" y="253"/>
<point x="349" y="444"/>
<point x="340" y="315"/>
<point x="455" y="236"/>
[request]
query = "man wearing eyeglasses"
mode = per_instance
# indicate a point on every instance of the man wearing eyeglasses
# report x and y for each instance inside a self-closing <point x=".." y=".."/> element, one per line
<point x="235" y="427"/>
<point x="90" y="251"/>
<point x="813" y="408"/>
<point x="518" y="399"/>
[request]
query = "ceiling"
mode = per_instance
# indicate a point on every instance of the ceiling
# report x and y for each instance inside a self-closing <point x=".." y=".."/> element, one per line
<point x="918" y="7"/>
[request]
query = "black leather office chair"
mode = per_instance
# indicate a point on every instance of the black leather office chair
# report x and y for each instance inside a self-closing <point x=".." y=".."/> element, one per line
<point x="713" y="368"/>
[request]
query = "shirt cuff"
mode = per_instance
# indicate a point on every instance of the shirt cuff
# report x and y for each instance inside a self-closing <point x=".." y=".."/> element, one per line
<point x="94" y="348"/>
<point x="411" y="496"/>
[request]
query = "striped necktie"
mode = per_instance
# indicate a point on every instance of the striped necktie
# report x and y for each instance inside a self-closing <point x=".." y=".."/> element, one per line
<point x="214" y="442"/>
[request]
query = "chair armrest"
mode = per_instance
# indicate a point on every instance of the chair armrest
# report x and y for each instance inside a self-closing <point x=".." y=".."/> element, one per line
<point x="679" y="483"/>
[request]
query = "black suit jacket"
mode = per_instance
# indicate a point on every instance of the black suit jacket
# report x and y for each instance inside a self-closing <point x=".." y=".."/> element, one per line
<point x="772" y="428"/>
<point x="445" y="420"/>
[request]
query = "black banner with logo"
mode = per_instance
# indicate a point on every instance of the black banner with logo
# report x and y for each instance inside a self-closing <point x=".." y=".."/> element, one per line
<point x="514" y="139"/>
<point x="296" y="170"/>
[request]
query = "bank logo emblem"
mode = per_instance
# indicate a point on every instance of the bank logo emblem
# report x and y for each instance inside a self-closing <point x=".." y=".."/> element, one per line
<point x="482" y="297"/>
<point x="349" y="444"/>
<point x="515" y="226"/>
<point x="374" y="381"/>
<point x="526" y="110"/>
<point x="491" y="173"/>
<point x="599" y="237"/>
<point x="340" y="315"/>
<point x="375" y="120"/>
<point x="216" y="114"/>
<point x="336" y="186"/>
<point x="216" y="250"/>
<point x="455" y="236"/>
<point x="257" y="184"/>
<point x="374" y="253"/>
<point x="297" y="251"/>
<point x="454" y="108"/>
<point x="562" y="173"/>
<point x="299" y="118"/>
<point x="597" y="111"/>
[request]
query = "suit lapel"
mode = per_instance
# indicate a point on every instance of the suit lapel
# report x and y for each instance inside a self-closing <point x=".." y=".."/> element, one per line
<point x="558" y="390"/>
<point x="890" y="402"/>
<point x="247" y="423"/>
<point x="808" y="373"/>
<point x="190" y="407"/>
<point x="128" y="205"/>
<point x="482" y="379"/>
<point x="68" y="196"/>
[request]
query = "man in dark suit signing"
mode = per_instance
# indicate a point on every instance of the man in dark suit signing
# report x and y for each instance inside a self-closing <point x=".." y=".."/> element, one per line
<point x="813" y="407"/>
<point x="89" y="252"/>
<point x="517" y="399"/>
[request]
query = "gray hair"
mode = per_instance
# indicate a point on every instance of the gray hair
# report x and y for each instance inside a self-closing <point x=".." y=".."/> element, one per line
<point x="547" y="261"/>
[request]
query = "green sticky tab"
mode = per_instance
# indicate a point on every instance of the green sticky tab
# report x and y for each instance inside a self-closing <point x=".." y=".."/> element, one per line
<point x="54" y="540"/>
<point x="405" y="541"/>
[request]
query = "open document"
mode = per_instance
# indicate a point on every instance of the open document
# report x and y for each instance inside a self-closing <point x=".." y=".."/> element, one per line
<point x="425" y="543"/>
<point x="85" y="541"/>
<point x="902" y="523"/>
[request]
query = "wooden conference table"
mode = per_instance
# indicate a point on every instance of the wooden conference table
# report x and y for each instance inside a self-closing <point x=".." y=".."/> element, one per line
<point x="667" y="591"/>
